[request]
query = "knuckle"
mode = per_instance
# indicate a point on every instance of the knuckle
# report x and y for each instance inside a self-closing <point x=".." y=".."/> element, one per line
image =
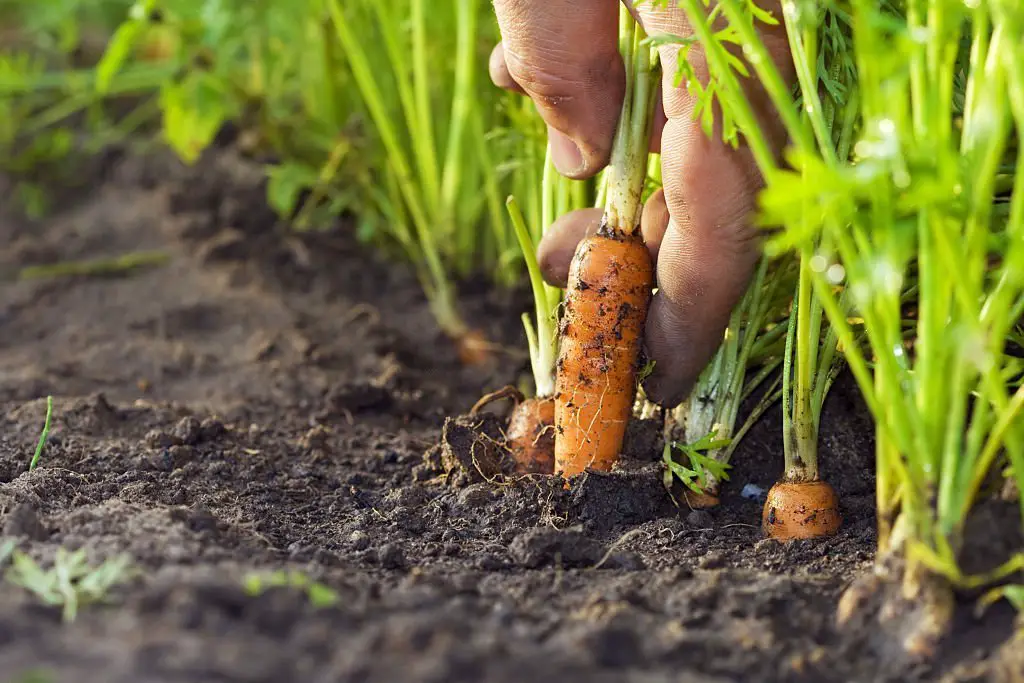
<point x="543" y="79"/>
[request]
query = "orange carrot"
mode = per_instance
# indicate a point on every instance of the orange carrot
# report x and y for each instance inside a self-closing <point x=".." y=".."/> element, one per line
<point x="702" y="501"/>
<point x="606" y="302"/>
<point x="473" y="348"/>
<point x="531" y="436"/>
<point x="609" y="288"/>
<point x="801" y="510"/>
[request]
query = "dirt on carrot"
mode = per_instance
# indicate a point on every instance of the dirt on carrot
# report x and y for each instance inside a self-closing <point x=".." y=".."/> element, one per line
<point x="606" y="301"/>
<point x="269" y="402"/>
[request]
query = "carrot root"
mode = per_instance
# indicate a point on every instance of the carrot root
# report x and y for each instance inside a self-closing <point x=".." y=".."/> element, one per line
<point x="509" y="392"/>
<point x="801" y="510"/>
<point x="606" y="302"/>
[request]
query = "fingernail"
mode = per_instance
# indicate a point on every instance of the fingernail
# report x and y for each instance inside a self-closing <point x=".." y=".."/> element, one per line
<point x="565" y="154"/>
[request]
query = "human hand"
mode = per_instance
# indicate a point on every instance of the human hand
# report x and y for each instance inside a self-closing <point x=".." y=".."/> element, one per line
<point x="564" y="55"/>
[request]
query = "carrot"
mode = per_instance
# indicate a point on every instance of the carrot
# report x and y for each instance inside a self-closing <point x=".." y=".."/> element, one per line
<point x="530" y="437"/>
<point x="801" y="510"/>
<point x="702" y="501"/>
<point x="473" y="348"/>
<point x="609" y="288"/>
<point x="606" y="302"/>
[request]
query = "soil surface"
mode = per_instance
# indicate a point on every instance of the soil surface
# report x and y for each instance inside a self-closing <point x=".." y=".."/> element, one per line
<point x="263" y="401"/>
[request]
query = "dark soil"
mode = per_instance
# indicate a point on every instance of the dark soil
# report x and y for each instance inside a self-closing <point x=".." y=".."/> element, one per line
<point x="266" y="400"/>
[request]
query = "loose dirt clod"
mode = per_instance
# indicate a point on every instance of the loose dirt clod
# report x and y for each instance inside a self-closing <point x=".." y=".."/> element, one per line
<point x="565" y="548"/>
<point x="472" y="451"/>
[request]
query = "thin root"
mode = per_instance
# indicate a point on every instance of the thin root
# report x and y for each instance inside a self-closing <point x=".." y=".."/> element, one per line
<point x="506" y="392"/>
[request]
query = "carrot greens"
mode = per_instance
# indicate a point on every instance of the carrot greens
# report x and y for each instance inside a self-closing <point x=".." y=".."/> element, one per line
<point x="926" y="212"/>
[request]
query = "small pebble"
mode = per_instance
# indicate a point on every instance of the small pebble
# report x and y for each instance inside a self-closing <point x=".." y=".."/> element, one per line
<point x="188" y="431"/>
<point x="360" y="540"/>
<point x="391" y="556"/>
<point x="753" y="492"/>
<point x="713" y="560"/>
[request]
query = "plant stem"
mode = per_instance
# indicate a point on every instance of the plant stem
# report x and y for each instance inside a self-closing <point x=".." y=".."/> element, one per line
<point x="543" y="349"/>
<point x="43" y="435"/>
<point x="628" y="166"/>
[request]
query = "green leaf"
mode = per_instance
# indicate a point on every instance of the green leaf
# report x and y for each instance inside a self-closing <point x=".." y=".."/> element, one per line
<point x="285" y="183"/>
<point x="194" y="111"/>
<point x="122" y="43"/>
<point x="701" y="467"/>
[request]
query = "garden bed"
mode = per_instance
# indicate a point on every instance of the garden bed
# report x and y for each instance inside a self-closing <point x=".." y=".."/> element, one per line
<point x="257" y="400"/>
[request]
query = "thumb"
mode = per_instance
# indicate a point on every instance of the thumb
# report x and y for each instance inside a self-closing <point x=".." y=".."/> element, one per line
<point x="558" y="245"/>
<point x="564" y="55"/>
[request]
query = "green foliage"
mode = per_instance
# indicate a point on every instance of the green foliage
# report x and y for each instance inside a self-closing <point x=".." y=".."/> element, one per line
<point x="698" y="471"/>
<point x="748" y="355"/>
<point x="35" y="676"/>
<point x="903" y="205"/>
<point x="378" y="110"/>
<point x="71" y="583"/>
<point x="318" y="594"/>
<point x="43" y="435"/>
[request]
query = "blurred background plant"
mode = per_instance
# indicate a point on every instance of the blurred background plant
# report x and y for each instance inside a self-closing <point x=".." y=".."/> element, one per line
<point x="382" y="112"/>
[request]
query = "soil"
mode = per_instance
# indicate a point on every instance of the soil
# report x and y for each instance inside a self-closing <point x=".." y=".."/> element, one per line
<point x="265" y="400"/>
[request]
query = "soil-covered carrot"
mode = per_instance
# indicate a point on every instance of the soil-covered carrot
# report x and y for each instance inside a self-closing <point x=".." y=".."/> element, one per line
<point x="608" y="294"/>
<point x="530" y="437"/>
<point x="609" y="289"/>
<point x="801" y="510"/>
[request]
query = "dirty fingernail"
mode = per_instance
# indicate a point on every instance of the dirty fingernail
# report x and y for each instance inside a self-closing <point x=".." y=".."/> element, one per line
<point x="565" y="154"/>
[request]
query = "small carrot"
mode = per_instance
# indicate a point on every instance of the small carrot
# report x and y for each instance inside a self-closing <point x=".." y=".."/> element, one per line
<point x="801" y="510"/>
<point x="609" y="288"/>
<point x="801" y="505"/>
<point x="473" y="348"/>
<point x="530" y="437"/>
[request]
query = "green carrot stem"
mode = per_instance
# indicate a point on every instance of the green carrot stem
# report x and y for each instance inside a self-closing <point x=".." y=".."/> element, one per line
<point x="628" y="165"/>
